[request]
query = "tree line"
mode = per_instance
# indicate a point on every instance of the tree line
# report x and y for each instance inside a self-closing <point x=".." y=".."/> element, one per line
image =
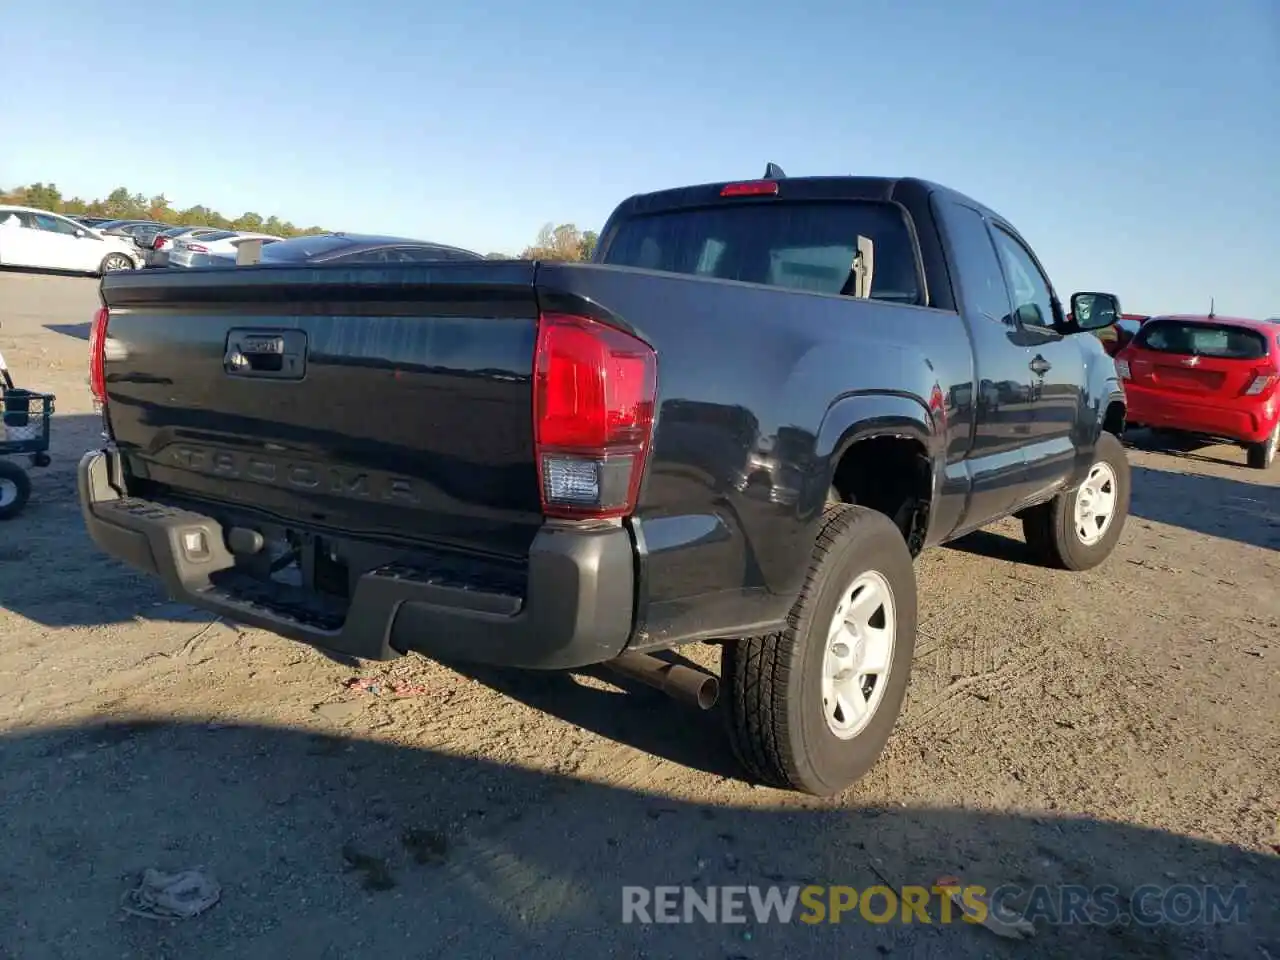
<point x="120" y="204"/>
<point x="554" y="242"/>
<point x="563" y="242"/>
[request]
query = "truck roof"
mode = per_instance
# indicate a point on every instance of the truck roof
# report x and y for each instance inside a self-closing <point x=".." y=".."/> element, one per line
<point x="805" y="188"/>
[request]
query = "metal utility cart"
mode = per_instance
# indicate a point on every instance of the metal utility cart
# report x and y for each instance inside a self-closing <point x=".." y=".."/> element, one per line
<point x="24" y="431"/>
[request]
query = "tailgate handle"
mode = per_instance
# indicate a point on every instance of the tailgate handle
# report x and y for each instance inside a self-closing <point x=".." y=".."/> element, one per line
<point x="268" y="354"/>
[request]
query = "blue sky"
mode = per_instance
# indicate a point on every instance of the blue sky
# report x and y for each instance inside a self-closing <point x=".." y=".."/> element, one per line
<point x="1136" y="143"/>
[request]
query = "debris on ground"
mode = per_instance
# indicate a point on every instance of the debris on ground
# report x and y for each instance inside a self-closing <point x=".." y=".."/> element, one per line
<point x="1000" y="922"/>
<point x="381" y="686"/>
<point x="172" y="896"/>
<point x="376" y="870"/>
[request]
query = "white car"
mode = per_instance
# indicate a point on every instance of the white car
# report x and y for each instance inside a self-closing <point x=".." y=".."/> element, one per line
<point x="50" y="241"/>
<point x="213" y="250"/>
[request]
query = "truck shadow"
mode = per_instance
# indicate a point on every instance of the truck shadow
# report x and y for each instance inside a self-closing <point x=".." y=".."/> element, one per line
<point x="337" y="846"/>
<point x="1247" y="513"/>
<point x="994" y="546"/>
<point x="50" y="571"/>
<point x="621" y="710"/>
<point x="79" y="331"/>
<point x="46" y="272"/>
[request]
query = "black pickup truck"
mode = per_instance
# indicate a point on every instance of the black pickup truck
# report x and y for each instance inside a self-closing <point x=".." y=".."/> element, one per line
<point x="739" y="424"/>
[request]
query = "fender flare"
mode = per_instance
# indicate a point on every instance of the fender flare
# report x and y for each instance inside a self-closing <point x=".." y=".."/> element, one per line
<point x="862" y="415"/>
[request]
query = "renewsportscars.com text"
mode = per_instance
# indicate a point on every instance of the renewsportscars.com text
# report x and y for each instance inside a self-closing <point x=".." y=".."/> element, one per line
<point x="1180" y="904"/>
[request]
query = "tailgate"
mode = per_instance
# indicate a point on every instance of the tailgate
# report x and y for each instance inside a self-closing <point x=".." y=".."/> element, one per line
<point x="390" y="402"/>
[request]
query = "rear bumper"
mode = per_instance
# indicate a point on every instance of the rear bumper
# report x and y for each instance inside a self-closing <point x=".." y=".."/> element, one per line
<point x="1251" y="423"/>
<point x="577" y="609"/>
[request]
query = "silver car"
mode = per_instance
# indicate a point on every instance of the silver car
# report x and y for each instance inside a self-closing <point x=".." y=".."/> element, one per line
<point x="212" y="250"/>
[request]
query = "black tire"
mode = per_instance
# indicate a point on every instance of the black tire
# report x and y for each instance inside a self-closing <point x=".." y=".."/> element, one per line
<point x="15" y="489"/>
<point x="119" y="260"/>
<point x="1260" y="456"/>
<point x="773" y="684"/>
<point x="1050" y="530"/>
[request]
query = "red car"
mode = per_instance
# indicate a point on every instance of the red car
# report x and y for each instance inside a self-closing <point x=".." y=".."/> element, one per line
<point x="1210" y="376"/>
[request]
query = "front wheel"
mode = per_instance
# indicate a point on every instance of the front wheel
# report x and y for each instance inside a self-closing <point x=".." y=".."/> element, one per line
<point x="114" y="262"/>
<point x="1078" y="529"/>
<point x="812" y="707"/>
<point x="1261" y="456"/>
<point x="15" y="489"/>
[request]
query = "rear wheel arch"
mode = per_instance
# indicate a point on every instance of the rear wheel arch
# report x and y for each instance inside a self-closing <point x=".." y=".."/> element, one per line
<point x="891" y="473"/>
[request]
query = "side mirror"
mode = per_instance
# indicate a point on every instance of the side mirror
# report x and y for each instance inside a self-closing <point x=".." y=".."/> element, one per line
<point x="81" y="232"/>
<point x="1094" y="311"/>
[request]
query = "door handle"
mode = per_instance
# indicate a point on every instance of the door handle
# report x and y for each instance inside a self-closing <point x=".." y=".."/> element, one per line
<point x="1040" y="366"/>
<point x="273" y="354"/>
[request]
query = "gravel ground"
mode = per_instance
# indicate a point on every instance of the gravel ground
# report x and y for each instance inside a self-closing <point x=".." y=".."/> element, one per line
<point x="1117" y="727"/>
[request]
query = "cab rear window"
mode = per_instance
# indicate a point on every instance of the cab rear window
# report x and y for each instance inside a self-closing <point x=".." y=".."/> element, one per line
<point x="799" y="245"/>
<point x="1202" y="340"/>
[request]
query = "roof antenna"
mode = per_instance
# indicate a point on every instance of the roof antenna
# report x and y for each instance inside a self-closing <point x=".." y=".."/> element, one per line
<point x="1211" y="308"/>
<point x="773" y="172"/>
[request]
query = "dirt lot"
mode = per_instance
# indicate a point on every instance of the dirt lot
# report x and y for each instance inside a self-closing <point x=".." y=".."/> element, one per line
<point x="1117" y="727"/>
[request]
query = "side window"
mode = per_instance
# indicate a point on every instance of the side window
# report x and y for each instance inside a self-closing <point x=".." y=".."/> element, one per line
<point x="54" y="224"/>
<point x="1028" y="288"/>
<point x="981" y="279"/>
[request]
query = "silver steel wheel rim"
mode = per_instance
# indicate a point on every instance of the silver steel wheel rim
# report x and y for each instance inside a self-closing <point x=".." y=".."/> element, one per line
<point x="8" y="492"/>
<point x="118" y="262"/>
<point x="1095" y="504"/>
<point x="858" y="654"/>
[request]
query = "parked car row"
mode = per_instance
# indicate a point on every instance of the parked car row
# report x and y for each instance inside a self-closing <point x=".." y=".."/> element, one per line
<point x="337" y="248"/>
<point x="96" y="245"/>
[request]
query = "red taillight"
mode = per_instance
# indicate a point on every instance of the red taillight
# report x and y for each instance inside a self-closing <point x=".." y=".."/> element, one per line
<point x="594" y="392"/>
<point x="160" y="241"/>
<point x="1263" y="379"/>
<point x="97" y="356"/>
<point x="751" y="188"/>
<point x="197" y="248"/>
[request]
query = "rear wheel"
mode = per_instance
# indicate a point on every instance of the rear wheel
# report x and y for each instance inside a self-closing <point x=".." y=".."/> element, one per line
<point x="114" y="262"/>
<point x="1261" y="456"/>
<point x="1078" y="529"/>
<point x="811" y="708"/>
<point x="15" y="489"/>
